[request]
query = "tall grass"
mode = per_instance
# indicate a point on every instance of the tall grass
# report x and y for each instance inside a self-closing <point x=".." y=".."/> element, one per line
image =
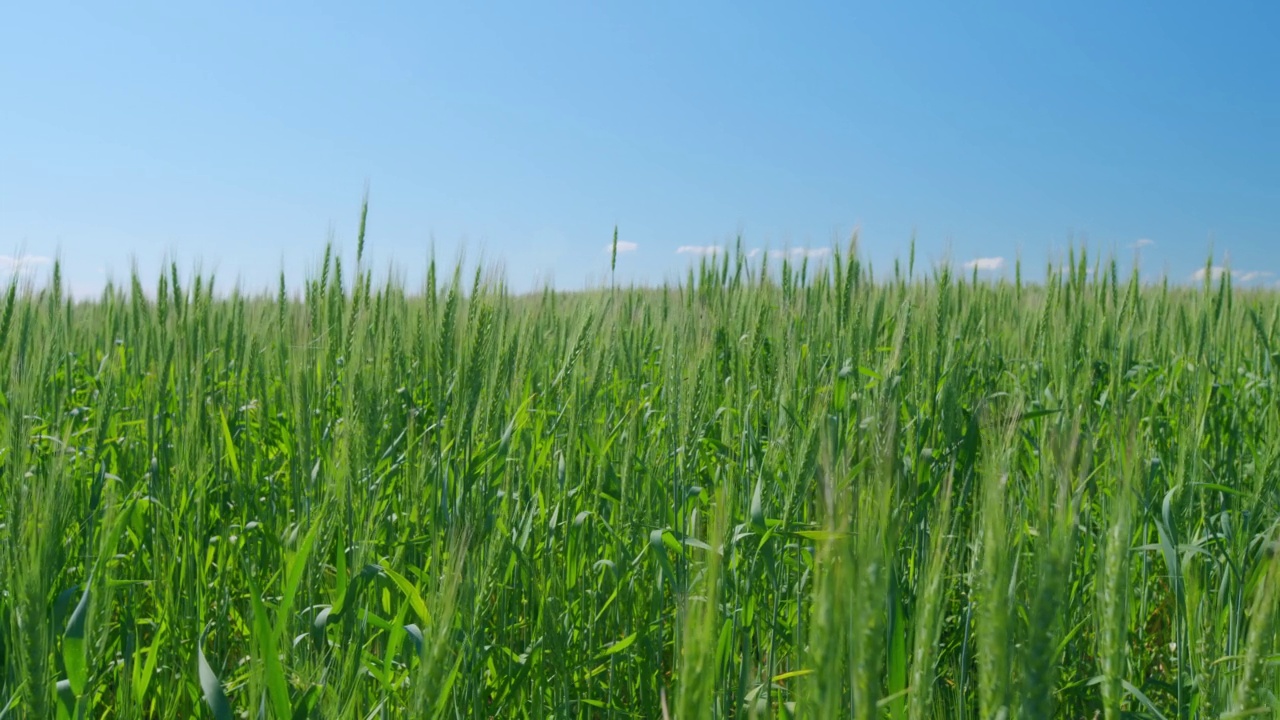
<point x="766" y="491"/>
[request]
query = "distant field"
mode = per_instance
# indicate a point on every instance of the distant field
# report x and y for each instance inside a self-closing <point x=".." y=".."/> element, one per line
<point x="769" y="492"/>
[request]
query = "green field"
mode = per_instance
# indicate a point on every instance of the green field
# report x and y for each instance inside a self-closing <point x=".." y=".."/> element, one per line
<point x="771" y="491"/>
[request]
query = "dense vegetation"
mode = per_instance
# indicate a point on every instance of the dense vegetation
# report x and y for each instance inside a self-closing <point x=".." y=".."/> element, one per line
<point x="764" y="491"/>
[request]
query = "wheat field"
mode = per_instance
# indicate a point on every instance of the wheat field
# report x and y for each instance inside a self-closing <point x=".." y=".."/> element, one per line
<point x="768" y="490"/>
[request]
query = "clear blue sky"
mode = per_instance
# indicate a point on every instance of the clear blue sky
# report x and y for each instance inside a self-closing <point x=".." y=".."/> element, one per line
<point x="240" y="134"/>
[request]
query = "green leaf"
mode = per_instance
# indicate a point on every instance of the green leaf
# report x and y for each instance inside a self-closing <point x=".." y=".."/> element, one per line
<point x="1024" y="417"/>
<point x="415" y="634"/>
<point x="657" y="543"/>
<point x="792" y="674"/>
<point x="619" y="646"/>
<point x="446" y="689"/>
<point x="821" y="535"/>
<point x="306" y="704"/>
<point x="73" y="645"/>
<point x="757" y="504"/>
<point x="411" y="594"/>
<point x="142" y="673"/>
<point x="1221" y="488"/>
<point x="293" y="578"/>
<point x="211" y="685"/>
<point x="66" y="700"/>
<point x="231" y="445"/>
<point x="13" y="700"/>
<point x="1142" y="698"/>
<point x="277" y="684"/>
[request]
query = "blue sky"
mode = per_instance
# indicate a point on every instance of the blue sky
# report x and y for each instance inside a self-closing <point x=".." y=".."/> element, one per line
<point x="240" y="135"/>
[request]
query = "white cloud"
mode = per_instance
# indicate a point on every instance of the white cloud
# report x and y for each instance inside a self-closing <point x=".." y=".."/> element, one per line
<point x="801" y="253"/>
<point x="699" y="249"/>
<point x="1215" y="272"/>
<point x="623" y="247"/>
<point x="987" y="263"/>
<point x="22" y="263"/>
<point x="1143" y="242"/>
<point x="754" y="252"/>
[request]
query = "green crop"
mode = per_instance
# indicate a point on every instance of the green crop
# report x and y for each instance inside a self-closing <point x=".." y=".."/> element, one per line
<point x="772" y="489"/>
